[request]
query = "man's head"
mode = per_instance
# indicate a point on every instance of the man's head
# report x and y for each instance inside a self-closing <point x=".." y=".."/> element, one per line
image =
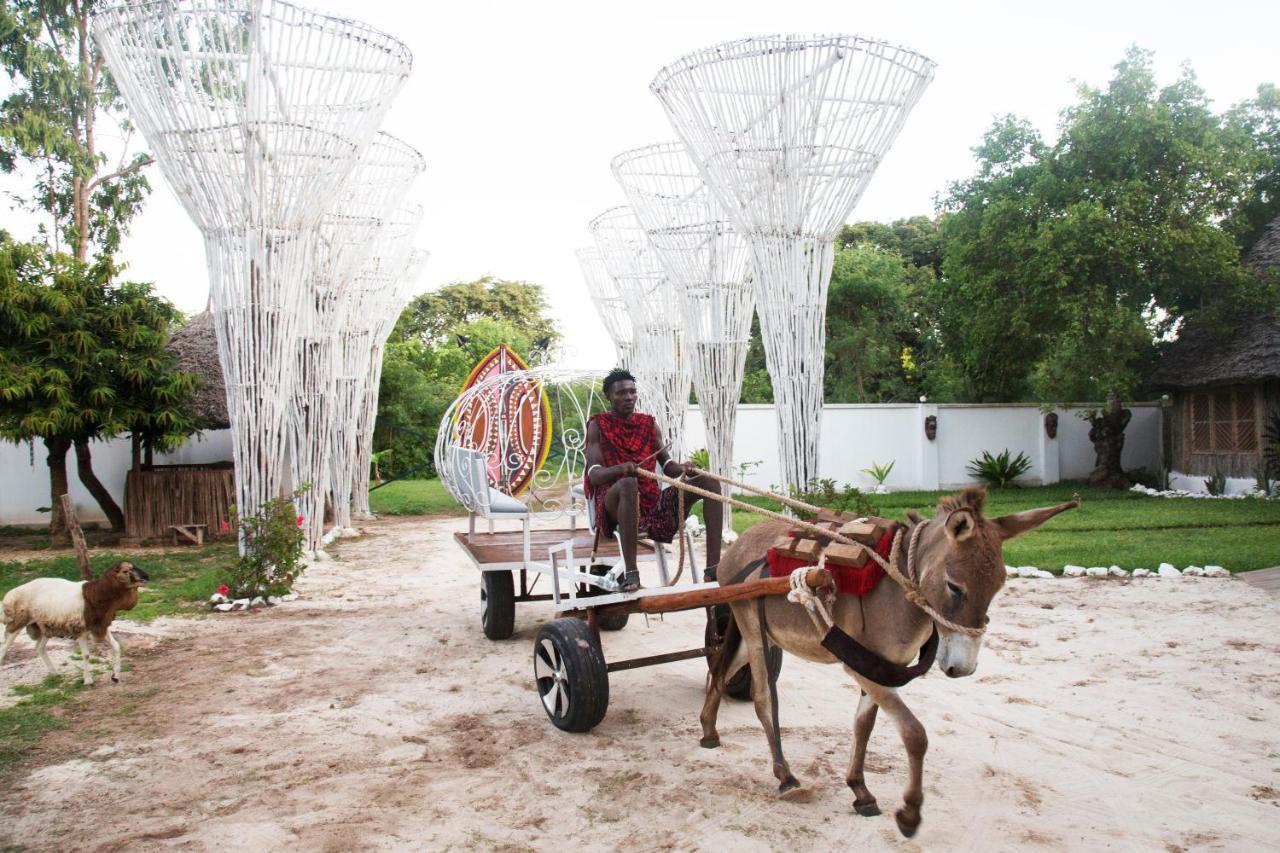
<point x="620" y="390"/>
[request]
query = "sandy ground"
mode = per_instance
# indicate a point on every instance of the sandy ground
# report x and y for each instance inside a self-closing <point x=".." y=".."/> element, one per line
<point x="372" y="713"/>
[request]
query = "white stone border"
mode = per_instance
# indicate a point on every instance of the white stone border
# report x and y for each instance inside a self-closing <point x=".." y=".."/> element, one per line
<point x="1165" y="570"/>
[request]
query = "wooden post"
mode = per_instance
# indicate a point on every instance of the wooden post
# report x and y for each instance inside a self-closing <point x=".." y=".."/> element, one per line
<point x="77" y="536"/>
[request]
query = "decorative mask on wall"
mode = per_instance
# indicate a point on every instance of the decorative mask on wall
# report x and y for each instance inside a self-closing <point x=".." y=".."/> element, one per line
<point x="1051" y="424"/>
<point x="931" y="427"/>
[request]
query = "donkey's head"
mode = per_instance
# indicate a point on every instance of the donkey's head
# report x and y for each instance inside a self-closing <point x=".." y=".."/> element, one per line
<point x="961" y="568"/>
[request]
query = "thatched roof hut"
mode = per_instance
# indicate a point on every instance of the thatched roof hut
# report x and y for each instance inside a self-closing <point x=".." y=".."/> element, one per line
<point x="1225" y="379"/>
<point x="196" y="345"/>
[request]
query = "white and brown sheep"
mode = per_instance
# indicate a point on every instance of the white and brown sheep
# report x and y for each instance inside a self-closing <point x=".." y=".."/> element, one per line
<point x="73" y="610"/>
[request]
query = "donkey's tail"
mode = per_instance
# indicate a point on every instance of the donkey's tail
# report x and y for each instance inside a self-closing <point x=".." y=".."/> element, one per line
<point x="723" y="656"/>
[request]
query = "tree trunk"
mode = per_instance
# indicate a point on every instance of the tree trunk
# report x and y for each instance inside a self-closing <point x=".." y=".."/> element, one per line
<point x="57" y="462"/>
<point x="135" y="451"/>
<point x="77" y="537"/>
<point x="1107" y="434"/>
<point x="84" y="469"/>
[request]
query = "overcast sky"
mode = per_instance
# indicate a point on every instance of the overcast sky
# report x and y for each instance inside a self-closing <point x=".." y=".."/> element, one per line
<point x="519" y="106"/>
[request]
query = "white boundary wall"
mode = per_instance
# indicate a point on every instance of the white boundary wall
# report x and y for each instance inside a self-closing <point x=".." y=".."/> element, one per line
<point x="24" y="486"/>
<point x="854" y="436"/>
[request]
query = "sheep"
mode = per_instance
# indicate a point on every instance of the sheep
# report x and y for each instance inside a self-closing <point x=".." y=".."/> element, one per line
<point x="53" y="607"/>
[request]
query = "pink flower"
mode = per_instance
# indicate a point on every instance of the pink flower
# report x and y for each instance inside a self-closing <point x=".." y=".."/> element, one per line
<point x="224" y="590"/>
<point x="300" y="520"/>
<point x="225" y="527"/>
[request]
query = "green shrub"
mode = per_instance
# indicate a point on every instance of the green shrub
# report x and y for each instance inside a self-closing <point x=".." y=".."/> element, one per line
<point x="1001" y="470"/>
<point x="701" y="457"/>
<point x="878" y="472"/>
<point x="825" y="493"/>
<point x="1216" y="483"/>
<point x="272" y="558"/>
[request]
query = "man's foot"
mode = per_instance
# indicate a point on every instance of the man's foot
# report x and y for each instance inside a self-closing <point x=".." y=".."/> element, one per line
<point x="631" y="580"/>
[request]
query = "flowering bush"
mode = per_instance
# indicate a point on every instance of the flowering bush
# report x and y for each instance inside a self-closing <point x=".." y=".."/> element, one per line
<point x="272" y="558"/>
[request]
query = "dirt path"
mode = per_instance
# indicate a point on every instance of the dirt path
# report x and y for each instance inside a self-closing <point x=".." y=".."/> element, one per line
<point x="372" y="713"/>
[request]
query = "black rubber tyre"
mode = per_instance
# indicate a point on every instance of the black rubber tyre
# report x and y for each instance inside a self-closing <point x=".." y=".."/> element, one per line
<point x="614" y="622"/>
<point x="739" y="684"/>
<point x="570" y="673"/>
<point x="497" y="605"/>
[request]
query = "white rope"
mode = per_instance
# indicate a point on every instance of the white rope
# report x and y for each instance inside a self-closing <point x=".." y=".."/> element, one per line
<point x="660" y="353"/>
<point x="815" y="604"/>
<point x="787" y="131"/>
<point x="256" y="111"/>
<point x="709" y="263"/>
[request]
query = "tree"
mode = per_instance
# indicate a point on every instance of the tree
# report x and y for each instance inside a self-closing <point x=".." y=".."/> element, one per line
<point x="1254" y="128"/>
<point x="872" y="335"/>
<point x="433" y="317"/>
<point x="1065" y="264"/>
<point x="83" y="359"/>
<point x="49" y="129"/>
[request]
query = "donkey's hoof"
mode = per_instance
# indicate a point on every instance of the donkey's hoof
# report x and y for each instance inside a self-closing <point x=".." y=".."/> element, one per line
<point x="797" y="794"/>
<point x="710" y="742"/>
<point x="866" y="808"/>
<point x="906" y="824"/>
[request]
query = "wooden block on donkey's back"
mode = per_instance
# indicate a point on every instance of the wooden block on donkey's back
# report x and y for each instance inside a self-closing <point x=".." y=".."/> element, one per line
<point x="798" y="549"/>
<point x="840" y="554"/>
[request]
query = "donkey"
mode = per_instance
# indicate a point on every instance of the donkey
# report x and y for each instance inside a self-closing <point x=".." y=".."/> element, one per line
<point x="959" y="569"/>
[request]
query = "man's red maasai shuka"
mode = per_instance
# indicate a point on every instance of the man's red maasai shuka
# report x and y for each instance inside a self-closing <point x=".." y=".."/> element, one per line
<point x="628" y="440"/>
<point x="849" y="580"/>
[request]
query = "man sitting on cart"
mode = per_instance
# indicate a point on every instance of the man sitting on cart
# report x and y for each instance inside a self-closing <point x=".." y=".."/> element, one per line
<point x="620" y="441"/>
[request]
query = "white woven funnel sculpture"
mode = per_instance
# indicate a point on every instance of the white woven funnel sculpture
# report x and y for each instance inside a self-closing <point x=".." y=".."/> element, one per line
<point x="609" y="303"/>
<point x="373" y="286"/>
<point x="787" y="131"/>
<point x="710" y="264"/>
<point x="346" y="237"/>
<point x="386" y="314"/>
<point x="256" y="111"/>
<point x="660" y="358"/>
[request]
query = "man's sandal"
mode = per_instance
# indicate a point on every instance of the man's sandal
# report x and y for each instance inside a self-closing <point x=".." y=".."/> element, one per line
<point x="631" y="580"/>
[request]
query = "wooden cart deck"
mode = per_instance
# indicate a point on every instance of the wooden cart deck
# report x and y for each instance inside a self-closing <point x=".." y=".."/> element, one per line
<point x="504" y="549"/>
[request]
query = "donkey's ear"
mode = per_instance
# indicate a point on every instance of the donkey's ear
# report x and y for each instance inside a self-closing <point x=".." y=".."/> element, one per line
<point x="914" y="517"/>
<point x="1009" y="526"/>
<point x="961" y="523"/>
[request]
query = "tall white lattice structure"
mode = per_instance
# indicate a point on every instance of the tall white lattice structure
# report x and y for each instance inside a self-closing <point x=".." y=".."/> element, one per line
<point x="256" y="111"/>
<point x="787" y="131"/>
<point x="387" y="311"/>
<point x="374" y="286"/>
<point x="607" y="299"/>
<point x="710" y="264"/>
<point x="659" y="354"/>
<point x="346" y="237"/>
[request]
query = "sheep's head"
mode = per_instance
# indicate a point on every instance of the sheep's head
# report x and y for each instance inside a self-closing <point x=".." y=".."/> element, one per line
<point x="127" y="574"/>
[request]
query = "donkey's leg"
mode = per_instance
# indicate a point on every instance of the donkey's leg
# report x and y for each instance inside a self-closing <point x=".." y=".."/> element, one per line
<point x="916" y="742"/>
<point x="715" y="692"/>
<point x="863" y="802"/>
<point x="765" y="698"/>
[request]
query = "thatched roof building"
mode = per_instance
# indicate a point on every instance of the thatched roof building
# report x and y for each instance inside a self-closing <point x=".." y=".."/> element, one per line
<point x="196" y="345"/>
<point x="1225" y="380"/>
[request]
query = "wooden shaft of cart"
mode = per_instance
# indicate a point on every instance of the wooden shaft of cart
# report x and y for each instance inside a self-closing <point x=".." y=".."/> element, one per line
<point x="695" y="598"/>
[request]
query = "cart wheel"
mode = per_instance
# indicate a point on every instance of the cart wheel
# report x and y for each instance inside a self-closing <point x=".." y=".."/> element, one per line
<point x="570" y="672"/>
<point x="739" y="684"/>
<point x="614" y="622"/>
<point x="497" y="605"/>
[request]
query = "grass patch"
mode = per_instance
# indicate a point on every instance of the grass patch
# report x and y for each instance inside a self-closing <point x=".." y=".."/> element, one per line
<point x="22" y="723"/>
<point x="1112" y="527"/>
<point x="414" y="497"/>
<point x="181" y="581"/>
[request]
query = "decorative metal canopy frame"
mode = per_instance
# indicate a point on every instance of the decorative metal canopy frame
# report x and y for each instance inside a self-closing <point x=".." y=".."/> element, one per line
<point x="257" y="111"/>
<point x="787" y="131"/>
<point x="347" y="236"/>
<point x="661" y="359"/>
<point x="710" y="264"/>
<point x="609" y="303"/>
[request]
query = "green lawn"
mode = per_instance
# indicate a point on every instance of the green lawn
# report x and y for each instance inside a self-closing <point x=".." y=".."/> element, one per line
<point x="1121" y="528"/>
<point x="181" y="581"/>
<point x="414" y="497"/>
